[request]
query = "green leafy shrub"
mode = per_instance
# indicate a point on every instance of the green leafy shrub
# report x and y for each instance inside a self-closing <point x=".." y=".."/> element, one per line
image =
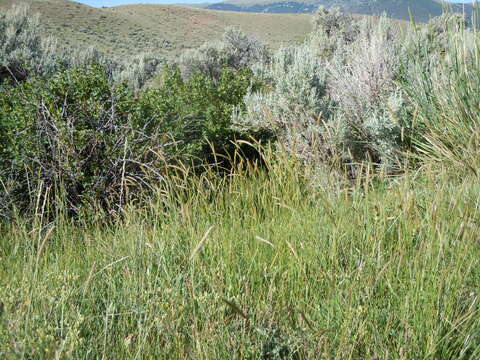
<point x="75" y="131"/>
<point x="81" y="136"/>
<point x="199" y="110"/>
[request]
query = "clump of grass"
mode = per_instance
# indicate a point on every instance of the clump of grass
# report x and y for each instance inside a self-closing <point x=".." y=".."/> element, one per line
<point x="442" y="87"/>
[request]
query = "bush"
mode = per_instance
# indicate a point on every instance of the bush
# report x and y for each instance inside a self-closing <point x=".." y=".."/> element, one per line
<point x="79" y="137"/>
<point x="236" y="51"/>
<point x="136" y="71"/>
<point x="294" y="105"/>
<point x="332" y="29"/>
<point x="75" y="133"/>
<point x="23" y="49"/>
<point x="362" y="84"/>
<point x="343" y="105"/>
<point x="199" y="110"/>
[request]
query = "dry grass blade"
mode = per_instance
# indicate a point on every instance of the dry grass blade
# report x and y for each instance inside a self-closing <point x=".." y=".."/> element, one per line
<point x="264" y="241"/>
<point x="200" y="244"/>
<point x="235" y="308"/>
<point x="305" y="319"/>
<point x="42" y="245"/>
<point x="110" y="265"/>
<point x="292" y="249"/>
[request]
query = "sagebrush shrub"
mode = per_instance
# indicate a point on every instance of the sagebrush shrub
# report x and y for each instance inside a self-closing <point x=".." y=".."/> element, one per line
<point x="332" y="29"/>
<point x="236" y="50"/>
<point x="334" y="96"/>
<point x="139" y="70"/>
<point x="23" y="48"/>
<point x="26" y="51"/>
<point x="293" y="105"/>
<point x="362" y="83"/>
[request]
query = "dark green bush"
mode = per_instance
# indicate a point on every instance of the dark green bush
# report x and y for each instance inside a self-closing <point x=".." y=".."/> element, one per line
<point x="197" y="110"/>
<point x="96" y="140"/>
<point x="74" y="131"/>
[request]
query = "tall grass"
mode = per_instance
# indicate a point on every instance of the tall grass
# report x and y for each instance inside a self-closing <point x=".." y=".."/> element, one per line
<point x="444" y="92"/>
<point x="260" y="265"/>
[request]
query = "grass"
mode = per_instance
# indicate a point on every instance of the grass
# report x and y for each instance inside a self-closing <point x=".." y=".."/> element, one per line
<point x="163" y="29"/>
<point x="448" y="103"/>
<point x="258" y="265"/>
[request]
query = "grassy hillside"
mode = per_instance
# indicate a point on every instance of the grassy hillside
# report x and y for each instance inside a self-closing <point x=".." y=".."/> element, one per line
<point x="164" y="29"/>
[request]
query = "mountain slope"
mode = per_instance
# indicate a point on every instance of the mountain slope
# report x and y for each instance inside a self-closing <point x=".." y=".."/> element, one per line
<point x="422" y="10"/>
<point x="163" y="29"/>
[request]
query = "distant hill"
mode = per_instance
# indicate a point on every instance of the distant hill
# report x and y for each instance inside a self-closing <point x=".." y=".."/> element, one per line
<point x="271" y="8"/>
<point x="163" y="29"/>
<point x="422" y="10"/>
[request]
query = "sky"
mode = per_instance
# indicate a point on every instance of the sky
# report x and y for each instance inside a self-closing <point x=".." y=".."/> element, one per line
<point x="100" y="3"/>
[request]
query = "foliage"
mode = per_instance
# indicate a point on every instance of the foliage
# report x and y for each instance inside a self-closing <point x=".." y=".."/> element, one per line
<point x="236" y="50"/>
<point x="74" y="132"/>
<point x="331" y="29"/>
<point x="23" y="49"/>
<point x="200" y="108"/>
<point x="279" y="261"/>
<point x="334" y="98"/>
<point x="93" y="138"/>
<point x="351" y="92"/>
<point x="362" y="84"/>
<point x="26" y="51"/>
<point x="441" y="83"/>
<point x="294" y="103"/>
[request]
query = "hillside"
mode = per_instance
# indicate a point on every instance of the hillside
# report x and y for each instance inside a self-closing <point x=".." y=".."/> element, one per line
<point x="422" y="10"/>
<point x="163" y="29"/>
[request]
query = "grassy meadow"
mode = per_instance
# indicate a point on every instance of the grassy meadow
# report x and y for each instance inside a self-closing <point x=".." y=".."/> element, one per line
<point x="257" y="266"/>
<point x="317" y="202"/>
